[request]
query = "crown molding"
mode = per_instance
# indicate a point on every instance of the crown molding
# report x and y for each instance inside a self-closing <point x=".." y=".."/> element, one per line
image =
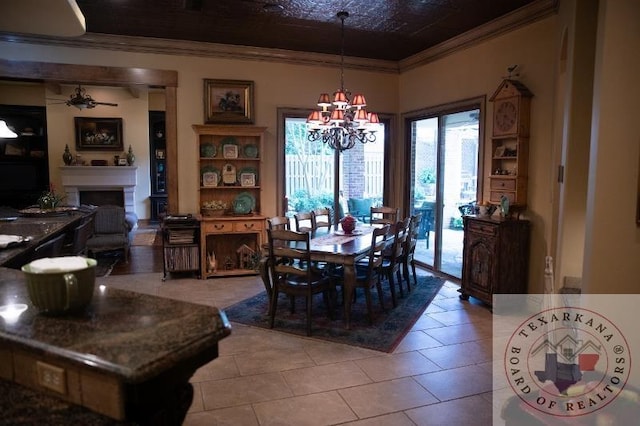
<point x="202" y="49"/>
<point x="518" y="18"/>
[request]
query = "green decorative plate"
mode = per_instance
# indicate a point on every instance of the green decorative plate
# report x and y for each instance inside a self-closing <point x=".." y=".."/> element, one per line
<point x="250" y="151"/>
<point x="208" y="150"/>
<point x="244" y="203"/>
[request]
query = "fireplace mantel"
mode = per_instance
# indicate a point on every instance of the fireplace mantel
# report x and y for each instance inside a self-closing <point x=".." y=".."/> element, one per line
<point x="99" y="178"/>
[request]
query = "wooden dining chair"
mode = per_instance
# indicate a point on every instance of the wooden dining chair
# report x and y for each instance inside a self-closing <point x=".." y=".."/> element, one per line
<point x="304" y="221"/>
<point x="392" y="259"/>
<point x="321" y="218"/>
<point x="50" y="248"/>
<point x="367" y="275"/>
<point x="279" y="222"/>
<point x="408" y="255"/>
<point x="384" y="215"/>
<point x="81" y="234"/>
<point x="297" y="277"/>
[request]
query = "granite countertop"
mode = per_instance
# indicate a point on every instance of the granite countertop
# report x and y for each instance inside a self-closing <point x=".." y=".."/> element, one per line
<point x="36" y="228"/>
<point x="130" y="335"/>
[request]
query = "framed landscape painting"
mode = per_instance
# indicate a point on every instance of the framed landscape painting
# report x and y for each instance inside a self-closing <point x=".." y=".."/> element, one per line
<point x="228" y="101"/>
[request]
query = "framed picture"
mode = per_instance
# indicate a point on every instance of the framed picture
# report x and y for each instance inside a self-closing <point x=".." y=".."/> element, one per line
<point x="228" y="101"/>
<point x="98" y="134"/>
<point x="499" y="151"/>
<point x="159" y="154"/>
<point x="247" y="179"/>
<point x="230" y="151"/>
<point x="122" y="162"/>
<point x="210" y="179"/>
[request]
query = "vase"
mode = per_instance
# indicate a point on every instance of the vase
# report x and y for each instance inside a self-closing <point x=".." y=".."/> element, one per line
<point x="348" y="224"/>
<point x="67" y="157"/>
<point x="130" y="157"/>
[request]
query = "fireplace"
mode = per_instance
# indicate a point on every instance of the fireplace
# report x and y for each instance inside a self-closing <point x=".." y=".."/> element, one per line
<point x="95" y="179"/>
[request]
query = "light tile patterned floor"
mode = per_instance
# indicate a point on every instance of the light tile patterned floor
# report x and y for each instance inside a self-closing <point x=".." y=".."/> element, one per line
<point x="439" y="375"/>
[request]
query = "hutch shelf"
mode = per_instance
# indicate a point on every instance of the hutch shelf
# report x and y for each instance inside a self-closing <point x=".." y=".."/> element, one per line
<point x="229" y="163"/>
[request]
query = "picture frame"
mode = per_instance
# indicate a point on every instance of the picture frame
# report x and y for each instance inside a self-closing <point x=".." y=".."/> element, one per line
<point x="210" y="179"/>
<point x="230" y="151"/>
<point x="228" y="101"/>
<point x="98" y="134"/>
<point x="499" y="152"/>
<point x="247" y="179"/>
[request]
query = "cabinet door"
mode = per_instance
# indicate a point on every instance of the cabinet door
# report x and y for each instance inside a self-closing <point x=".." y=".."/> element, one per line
<point x="479" y="264"/>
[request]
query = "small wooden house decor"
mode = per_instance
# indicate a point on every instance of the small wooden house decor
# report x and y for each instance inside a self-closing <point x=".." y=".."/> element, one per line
<point x="246" y="257"/>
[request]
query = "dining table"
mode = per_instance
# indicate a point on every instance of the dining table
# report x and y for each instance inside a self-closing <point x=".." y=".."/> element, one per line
<point x="335" y="246"/>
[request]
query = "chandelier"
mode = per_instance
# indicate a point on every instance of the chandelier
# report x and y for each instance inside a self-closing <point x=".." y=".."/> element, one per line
<point x="343" y="122"/>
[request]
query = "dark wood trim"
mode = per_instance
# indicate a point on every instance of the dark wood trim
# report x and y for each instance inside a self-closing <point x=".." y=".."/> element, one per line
<point x="112" y="76"/>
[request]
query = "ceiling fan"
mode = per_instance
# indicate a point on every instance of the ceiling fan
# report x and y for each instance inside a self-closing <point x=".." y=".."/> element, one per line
<point x="81" y="100"/>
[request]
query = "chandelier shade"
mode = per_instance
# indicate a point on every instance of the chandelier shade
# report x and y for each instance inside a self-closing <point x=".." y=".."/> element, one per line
<point x="5" y="131"/>
<point x="342" y="122"/>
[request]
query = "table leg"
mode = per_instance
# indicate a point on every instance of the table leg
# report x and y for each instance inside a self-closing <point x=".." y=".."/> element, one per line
<point x="347" y="295"/>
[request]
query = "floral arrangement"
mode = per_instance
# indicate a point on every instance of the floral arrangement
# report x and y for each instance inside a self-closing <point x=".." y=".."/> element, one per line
<point x="213" y="208"/>
<point x="214" y="205"/>
<point x="49" y="200"/>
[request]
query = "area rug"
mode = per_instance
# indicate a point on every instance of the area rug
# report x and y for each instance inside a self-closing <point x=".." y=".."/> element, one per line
<point x="384" y="335"/>
<point x="146" y="238"/>
<point x="106" y="263"/>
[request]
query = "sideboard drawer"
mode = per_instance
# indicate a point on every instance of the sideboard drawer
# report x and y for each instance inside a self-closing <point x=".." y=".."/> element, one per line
<point x="248" y="226"/>
<point x="503" y="184"/>
<point x="217" y="227"/>
<point x="481" y="228"/>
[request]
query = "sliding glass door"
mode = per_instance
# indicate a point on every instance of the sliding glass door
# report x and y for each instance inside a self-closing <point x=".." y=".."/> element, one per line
<point x="444" y="177"/>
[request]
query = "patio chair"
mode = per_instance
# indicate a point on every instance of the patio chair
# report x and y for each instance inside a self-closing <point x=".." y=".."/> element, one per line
<point x="110" y="231"/>
<point x="292" y="273"/>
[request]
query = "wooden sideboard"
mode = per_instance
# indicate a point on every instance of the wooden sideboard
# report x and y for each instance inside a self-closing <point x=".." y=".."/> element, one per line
<point x="495" y="257"/>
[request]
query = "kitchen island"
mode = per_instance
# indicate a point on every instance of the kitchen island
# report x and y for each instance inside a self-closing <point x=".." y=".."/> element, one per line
<point x="128" y="356"/>
<point x="35" y="229"/>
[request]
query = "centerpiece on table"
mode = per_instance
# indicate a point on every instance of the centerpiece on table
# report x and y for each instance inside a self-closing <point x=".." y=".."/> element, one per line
<point x="213" y="208"/>
<point x="49" y="200"/>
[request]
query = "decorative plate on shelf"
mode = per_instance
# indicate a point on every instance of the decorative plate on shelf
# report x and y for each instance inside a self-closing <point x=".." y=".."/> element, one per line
<point x="244" y="203"/>
<point x="250" y="170"/>
<point x="250" y="151"/>
<point x="210" y="176"/>
<point x="229" y="147"/>
<point x="208" y="150"/>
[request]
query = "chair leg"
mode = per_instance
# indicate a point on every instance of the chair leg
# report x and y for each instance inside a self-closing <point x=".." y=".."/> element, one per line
<point x="399" y="278"/>
<point x="392" y="287"/>
<point x="309" y="303"/>
<point x="272" y="309"/>
<point x="379" y="288"/>
<point x="413" y="268"/>
<point x="367" y="294"/>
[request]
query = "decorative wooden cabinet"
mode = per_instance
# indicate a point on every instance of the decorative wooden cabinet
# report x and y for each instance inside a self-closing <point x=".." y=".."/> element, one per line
<point x="510" y="143"/>
<point x="181" y="244"/>
<point x="495" y="257"/>
<point x="229" y="164"/>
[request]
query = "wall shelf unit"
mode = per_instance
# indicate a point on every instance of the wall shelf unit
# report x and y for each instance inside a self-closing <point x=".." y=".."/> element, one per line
<point x="229" y="164"/>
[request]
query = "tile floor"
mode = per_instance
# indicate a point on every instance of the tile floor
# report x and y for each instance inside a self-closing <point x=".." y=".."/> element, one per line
<point x="440" y="374"/>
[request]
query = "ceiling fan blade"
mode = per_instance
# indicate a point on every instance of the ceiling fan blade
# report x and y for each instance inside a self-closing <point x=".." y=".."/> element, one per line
<point x="105" y="103"/>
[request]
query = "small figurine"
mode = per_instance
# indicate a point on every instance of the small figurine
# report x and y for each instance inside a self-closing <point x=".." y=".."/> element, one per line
<point x="211" y="262"/>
